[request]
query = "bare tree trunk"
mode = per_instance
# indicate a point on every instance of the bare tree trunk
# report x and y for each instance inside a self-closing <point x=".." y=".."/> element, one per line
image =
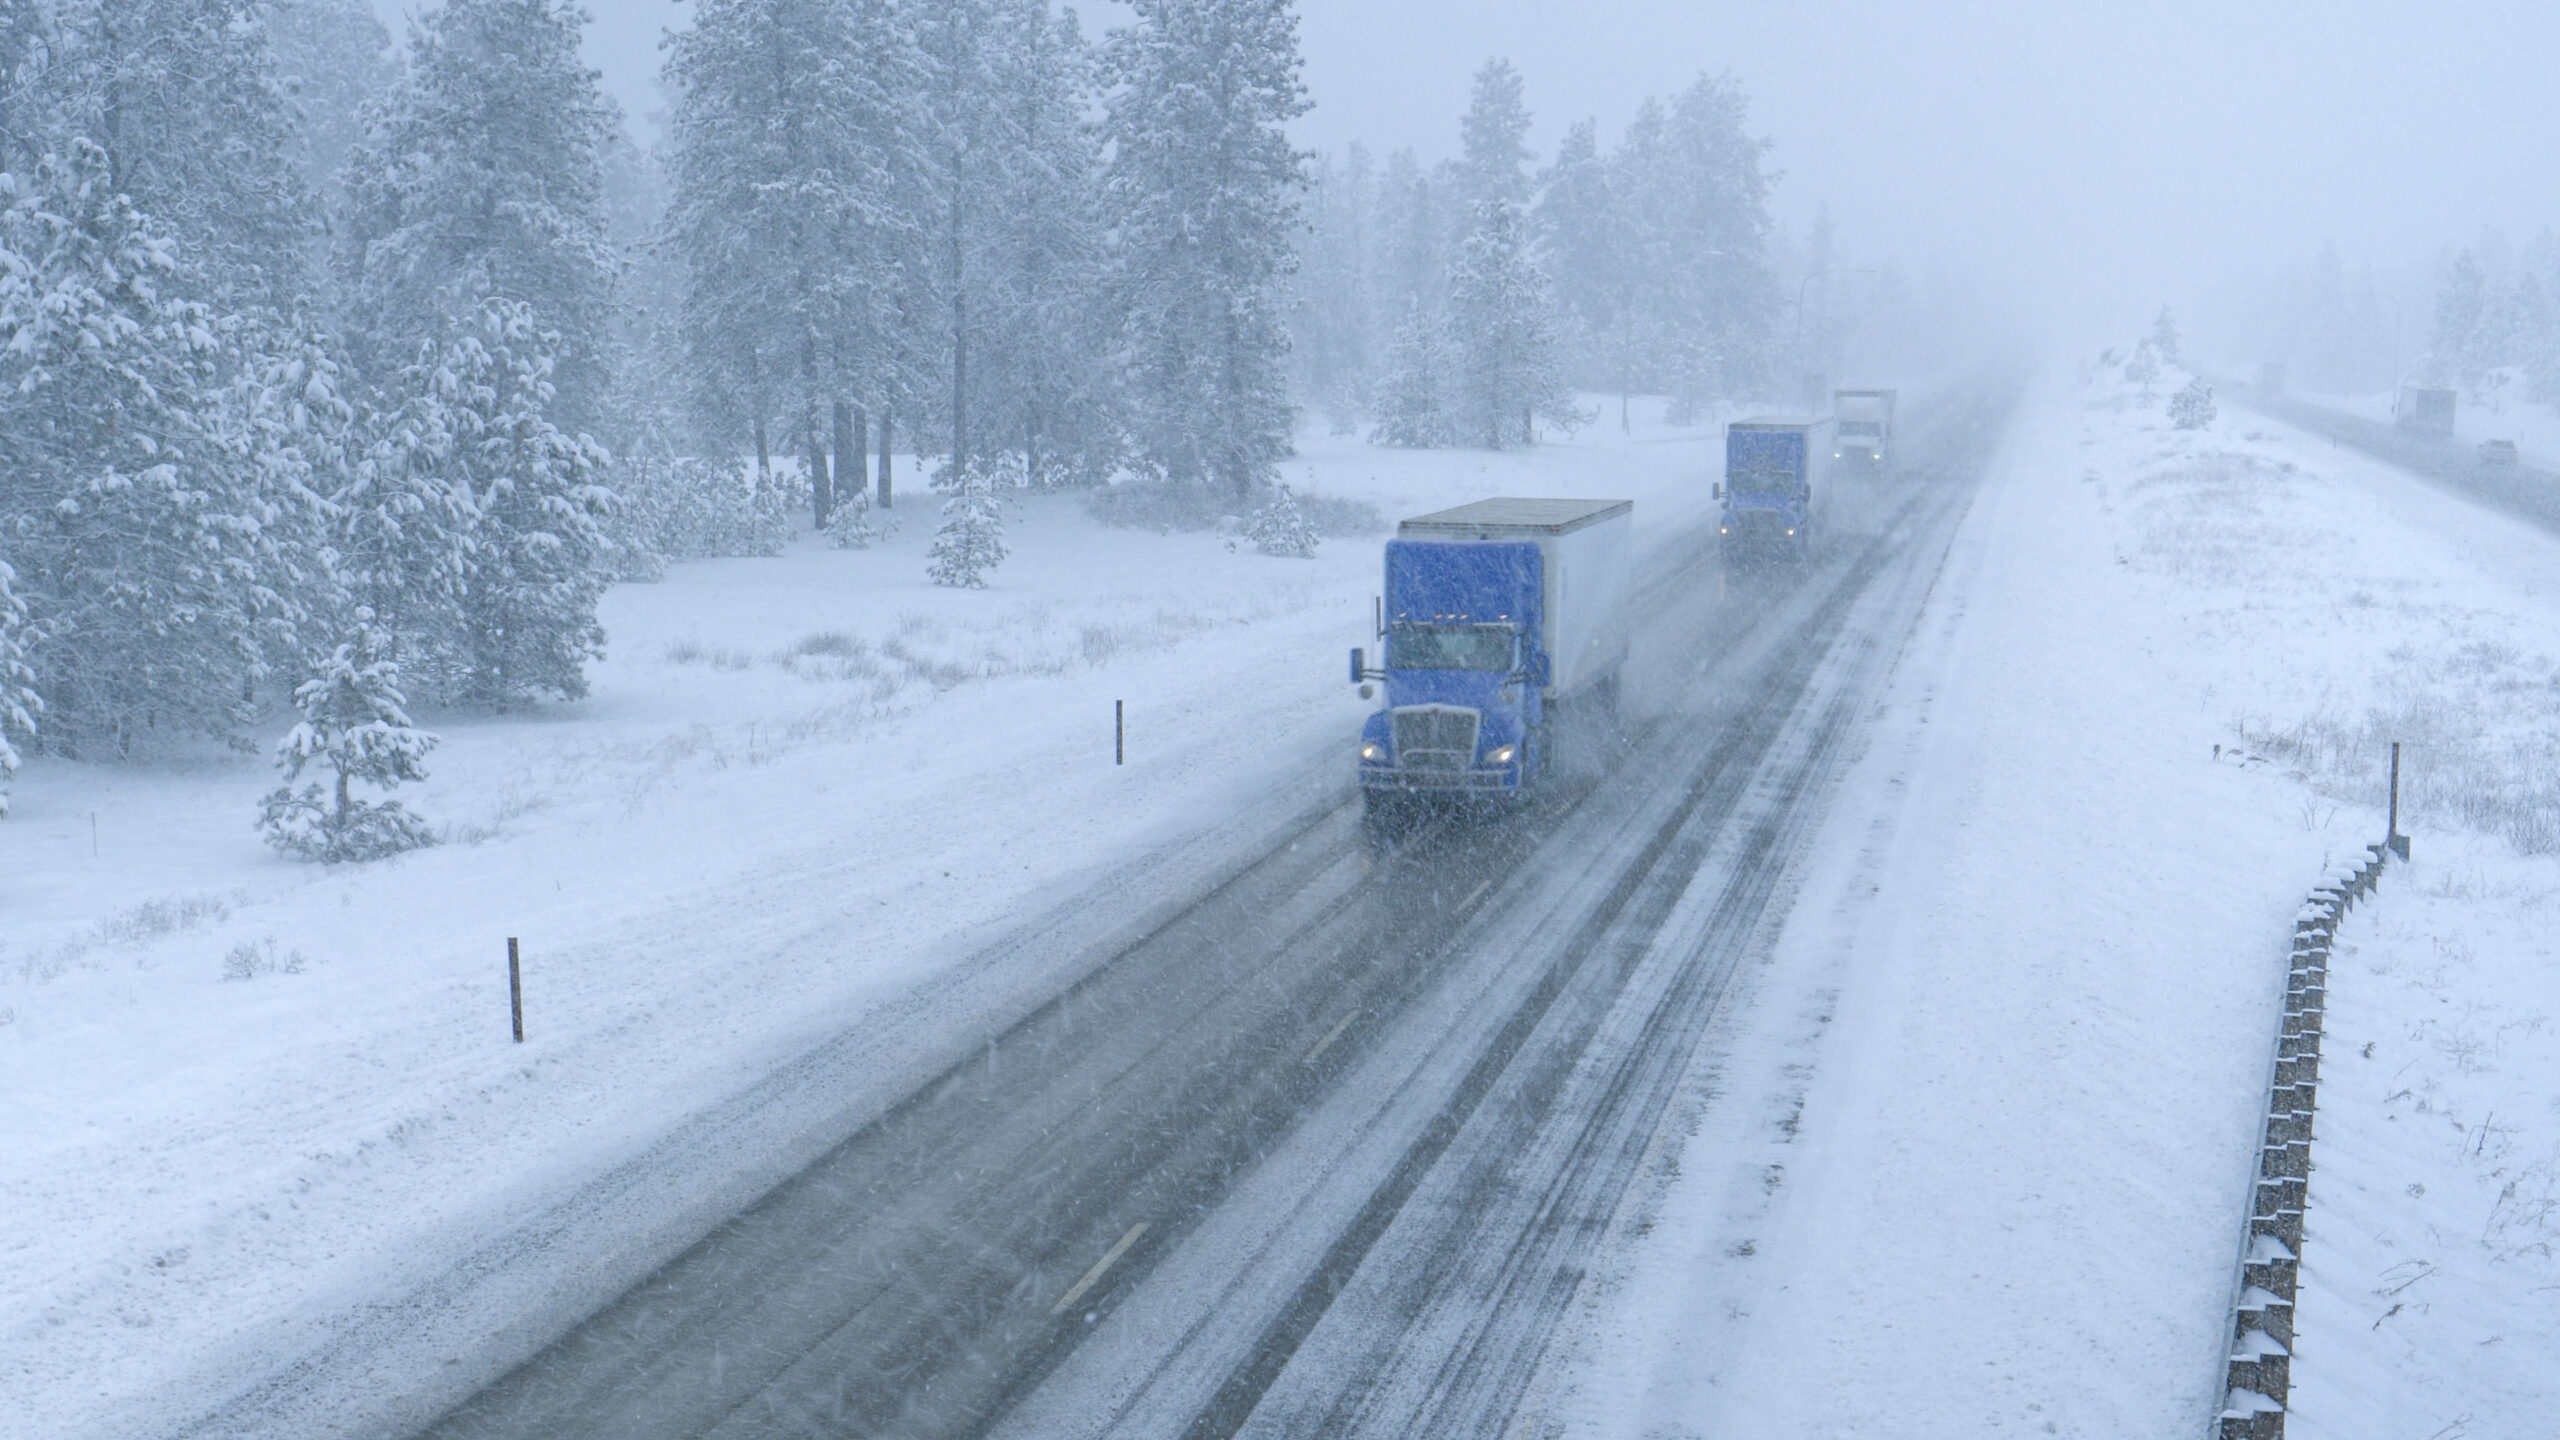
<point x="959" y="345"/>
<point x="888" y="423"/>
<point x="843" y="482"/>
<point x="813" y="440"/>
<point x="813" y="444"/>
<point x="861" y="446"/>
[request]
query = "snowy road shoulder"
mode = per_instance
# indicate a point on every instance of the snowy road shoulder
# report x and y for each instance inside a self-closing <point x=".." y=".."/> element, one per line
<point x="2020" y="1019"/>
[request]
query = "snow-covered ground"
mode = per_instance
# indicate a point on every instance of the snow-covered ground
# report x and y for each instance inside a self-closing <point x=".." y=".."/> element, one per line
<point x="2506" y="415"/>
<point x="250" y="1099"/>
<point x="1974" y="1160"/>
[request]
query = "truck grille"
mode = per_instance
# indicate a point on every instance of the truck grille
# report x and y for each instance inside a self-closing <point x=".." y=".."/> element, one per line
<point x="1434" y="737"/>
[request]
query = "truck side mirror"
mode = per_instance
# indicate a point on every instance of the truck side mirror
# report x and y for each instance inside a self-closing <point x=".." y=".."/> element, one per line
<point x="1359" y="665"/>
<point x="1718" y="492"/>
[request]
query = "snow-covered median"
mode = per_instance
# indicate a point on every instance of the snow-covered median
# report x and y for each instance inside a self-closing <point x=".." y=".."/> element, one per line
<point x="250" y="1100"/>
<point x="1976" y="1159"/>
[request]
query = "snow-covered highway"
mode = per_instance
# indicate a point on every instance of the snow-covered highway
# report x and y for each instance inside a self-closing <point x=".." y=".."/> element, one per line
<point x="1328" y="1149"/>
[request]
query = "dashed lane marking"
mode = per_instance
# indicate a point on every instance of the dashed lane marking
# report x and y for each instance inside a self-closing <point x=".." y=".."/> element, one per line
<point x="1109" y="1258"/>
<point x="1332" y="1035"/>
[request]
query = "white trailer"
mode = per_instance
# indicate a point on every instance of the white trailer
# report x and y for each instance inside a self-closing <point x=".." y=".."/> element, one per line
<point x="1863" y="422"/>
<point x="1586" y="576"/>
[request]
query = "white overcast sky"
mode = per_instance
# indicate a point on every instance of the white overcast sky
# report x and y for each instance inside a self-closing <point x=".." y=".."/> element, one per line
<point x="2091" y="145"/>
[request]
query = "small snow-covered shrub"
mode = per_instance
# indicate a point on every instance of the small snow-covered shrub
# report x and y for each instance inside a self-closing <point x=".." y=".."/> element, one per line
<point x="971" y="541"/>
<point x="252" y="958"/>
<point x="688" y="509"/>
<point x="849" y="525"/>
<point x="2192" y="408"/>
<point x="2144" y="368"/>
<point x="1336" y="517"/>
<point x="1160" y="505"/>
<point x="353" y="723"/>
<point x="1280" y="527"/>
<point x="718" y="657"/>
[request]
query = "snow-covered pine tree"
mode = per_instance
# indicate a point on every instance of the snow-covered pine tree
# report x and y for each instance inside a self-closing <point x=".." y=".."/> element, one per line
<point x="2192" y="407"/>
<point x="1281" y="527"/>
<point x="2164" y="336"/>
<point x="19" y="702"/>
<point x="2466" y="345"/>
<point x="1412" y="404"/>
<point x="180" y="97"/>
<point x="145" y="545"/>
<point x="971" y="541"/>
<point x="1578" y="224"/>
<point x="1698" y="216"/>
<point x="798" y="180"/>
<point x="404" y="522"/>
<point x="481" y="179"/>
<point x="1202" y="193"/>
<point x="355" y="724"/>
<point x="1510" y="375"/>
<point x="2143" y="367"/>
<point x="535" y="564"/>
<point x="1333" y="307"/>
<point x="1494" y="140"/>
<point x="1043" y="379"/>
<point x="332" y="57"/>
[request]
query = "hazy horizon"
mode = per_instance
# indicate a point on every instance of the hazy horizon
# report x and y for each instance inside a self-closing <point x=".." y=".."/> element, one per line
<point x="2087" y="162"/>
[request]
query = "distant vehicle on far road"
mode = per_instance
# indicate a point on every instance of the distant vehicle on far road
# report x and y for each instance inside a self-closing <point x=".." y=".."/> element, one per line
<point x="2428" y="412"/>
<point x="1862" y="420"/>
<point x="2497" y="452"/>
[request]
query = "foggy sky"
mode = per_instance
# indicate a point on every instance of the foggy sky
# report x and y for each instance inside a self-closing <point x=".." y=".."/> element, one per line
<point x="2094" y="152"/>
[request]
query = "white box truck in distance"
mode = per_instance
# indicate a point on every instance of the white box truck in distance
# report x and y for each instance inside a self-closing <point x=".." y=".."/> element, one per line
<point x="1863" y="422"/>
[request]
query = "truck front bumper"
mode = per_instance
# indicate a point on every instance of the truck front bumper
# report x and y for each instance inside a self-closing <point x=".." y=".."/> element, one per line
<point x="1394" y="780"/>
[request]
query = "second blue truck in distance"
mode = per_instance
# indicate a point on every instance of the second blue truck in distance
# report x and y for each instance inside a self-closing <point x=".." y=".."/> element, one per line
<point x="1774" y="469"/>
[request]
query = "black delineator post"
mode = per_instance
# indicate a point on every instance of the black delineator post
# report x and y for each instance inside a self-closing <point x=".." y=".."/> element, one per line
<point x="2392" y="837"/>
<point x="515" y="989"/>
<point x="1119" y="732"/>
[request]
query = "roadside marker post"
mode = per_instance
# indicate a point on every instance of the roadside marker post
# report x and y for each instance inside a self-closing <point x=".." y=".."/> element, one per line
<point x="1119" y="732"/>
<point x="2392" y="837"/>
<point x="515" y="989"/>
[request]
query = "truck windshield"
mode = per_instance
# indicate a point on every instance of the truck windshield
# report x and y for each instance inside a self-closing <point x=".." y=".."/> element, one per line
<point x="1449" y="647"/>
<point x="1764" y="480"/>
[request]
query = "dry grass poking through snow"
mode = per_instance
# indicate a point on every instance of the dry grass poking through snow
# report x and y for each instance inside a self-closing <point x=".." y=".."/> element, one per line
<point x="2466" y="690"/>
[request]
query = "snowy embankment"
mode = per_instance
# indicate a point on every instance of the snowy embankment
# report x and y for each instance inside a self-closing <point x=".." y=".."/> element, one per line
<point x="2016" y="1032"/>
<point x="251" y="1100"/>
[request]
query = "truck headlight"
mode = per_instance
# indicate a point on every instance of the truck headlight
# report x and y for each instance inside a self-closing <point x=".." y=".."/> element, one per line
<point x="1373" y="752"/>
<point x="1501" y="754"/>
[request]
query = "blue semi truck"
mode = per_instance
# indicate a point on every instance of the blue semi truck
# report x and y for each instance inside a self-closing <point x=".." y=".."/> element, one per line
<point x="1774" y="470"/>
<point x="1502" y="619"/>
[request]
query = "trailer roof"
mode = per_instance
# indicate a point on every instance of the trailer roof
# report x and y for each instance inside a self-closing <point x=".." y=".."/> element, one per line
<point x="1516" y="516"/>
<point x="1780" y="422"/>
